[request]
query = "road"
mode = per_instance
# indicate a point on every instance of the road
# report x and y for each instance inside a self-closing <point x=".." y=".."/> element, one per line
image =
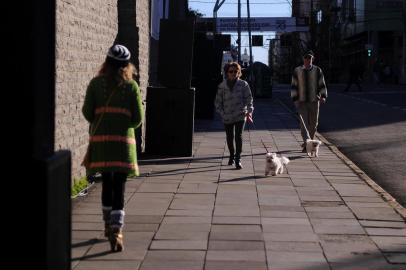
<point x="370" y="129"/>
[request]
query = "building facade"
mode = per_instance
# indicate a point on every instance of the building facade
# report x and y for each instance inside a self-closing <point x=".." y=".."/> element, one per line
<point x="371" y="33"/>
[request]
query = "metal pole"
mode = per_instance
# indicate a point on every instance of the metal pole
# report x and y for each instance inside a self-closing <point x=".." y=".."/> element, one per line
<point x="311" y="25"/>
<point x="249" y="30"/>
<point x="239" y="31"/>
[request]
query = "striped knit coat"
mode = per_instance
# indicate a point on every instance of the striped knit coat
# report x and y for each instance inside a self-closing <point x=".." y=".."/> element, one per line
<point x="308" y="85"/>
<point x="112" y="146"/>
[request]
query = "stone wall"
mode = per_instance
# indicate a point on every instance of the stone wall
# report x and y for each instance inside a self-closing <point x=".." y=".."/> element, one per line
<point x="85" y="29"/>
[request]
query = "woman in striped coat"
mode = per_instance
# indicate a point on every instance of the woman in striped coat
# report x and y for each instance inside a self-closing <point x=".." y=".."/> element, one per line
<point x="114" y="110"/>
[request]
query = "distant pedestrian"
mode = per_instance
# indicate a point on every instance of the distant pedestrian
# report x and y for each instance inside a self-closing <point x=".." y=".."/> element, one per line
<point x="234" y="103"/>
<point x="387" y="73"/>
<point x="308" y="90"/>
<point x="376" y="69"/>
<point x="114" y="110"/>
<point x="355" y="76"/>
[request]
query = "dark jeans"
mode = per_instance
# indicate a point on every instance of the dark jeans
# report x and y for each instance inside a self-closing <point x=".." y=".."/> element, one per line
<point x="234" y="130"/>
<point x="113" y="188"/>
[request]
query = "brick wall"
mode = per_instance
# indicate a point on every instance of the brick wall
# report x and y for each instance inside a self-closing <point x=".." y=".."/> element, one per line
<point x="85" y="30"/>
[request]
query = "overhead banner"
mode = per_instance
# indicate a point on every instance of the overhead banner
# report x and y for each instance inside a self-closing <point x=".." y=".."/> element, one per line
<point x="261" y="24"/>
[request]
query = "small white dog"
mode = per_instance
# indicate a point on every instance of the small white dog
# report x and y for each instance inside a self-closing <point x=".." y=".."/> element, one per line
<point x="312" y="147"/>
<point x="274" y="164"/>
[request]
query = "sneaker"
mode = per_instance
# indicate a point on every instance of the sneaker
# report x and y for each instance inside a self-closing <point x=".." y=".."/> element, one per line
<point x="231" y="161"/>
<point x="238" y="165"/>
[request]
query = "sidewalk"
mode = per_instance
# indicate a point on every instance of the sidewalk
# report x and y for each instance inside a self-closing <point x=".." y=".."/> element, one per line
<point x="199" y="213"/>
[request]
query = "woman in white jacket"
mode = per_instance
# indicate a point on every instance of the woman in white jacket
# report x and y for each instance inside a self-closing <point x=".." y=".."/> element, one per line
<point x="234" y="103"/>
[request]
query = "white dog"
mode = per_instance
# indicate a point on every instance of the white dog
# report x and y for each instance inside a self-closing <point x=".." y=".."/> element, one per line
<point x="312" y="147"/>
<point x="274" y="164"/>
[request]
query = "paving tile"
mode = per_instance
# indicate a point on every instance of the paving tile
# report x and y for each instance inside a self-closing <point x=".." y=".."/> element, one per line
<point x="278" y="257"/>
<point x="85" y="235"/>
<point x="285" y="221"/>
<point x="288" y="265"/>
<point x="195" y="227"/>
<point x="291" y="236"/>
<point x="247" y="236"/>
<point x="140" y="227"/>
<point x="154" y="187"/>
<point x="190" y="212"/>
<point x="360" y="190"/>
<point x="382" y="224"/>
<point x="133" y="251"/>
<point x="386" y="231"/>
<point x="108" y="265"/>
<point x="282" y="214"/>
<point x="175" y="255"/>
<point x="171" y="265"/>
<point x="180" y="235"/>
<point x="390" y="243"/>
<point x="197" y="188"/>
<point x="87" y="226"/>
<point x="236" y="211"/>
<point x="330" y="215"/>
<point x="337" y="226"/>
<point x="236" y="220"/>
<point x="236" y="245"/>
<point x="179" y="244"/>
<point x="293" y="246"/>
<point x="87" y="218"/>
<point x="236" y="228"/>
<point x="236" y="255"/>
<point x="286" y="228"/>
<point x="186" y="220"/>
<point x="235" y="265"/>
<point x="382" y="214"/>
<point x="396" y="257"/>
<point x="145" y="219"/>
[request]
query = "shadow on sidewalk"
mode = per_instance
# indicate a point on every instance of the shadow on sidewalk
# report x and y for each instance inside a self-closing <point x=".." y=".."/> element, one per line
<point x="86" y="243"/>
<point x="251" y="177"/>
<point x="95" y="255"/>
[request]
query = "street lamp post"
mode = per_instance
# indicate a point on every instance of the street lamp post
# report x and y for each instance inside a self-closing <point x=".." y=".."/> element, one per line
<point x="239" y="31"/>
<point x="249" y="30"/>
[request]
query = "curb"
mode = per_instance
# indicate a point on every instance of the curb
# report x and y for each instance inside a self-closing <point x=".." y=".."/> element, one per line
<point x="360" y="173"/>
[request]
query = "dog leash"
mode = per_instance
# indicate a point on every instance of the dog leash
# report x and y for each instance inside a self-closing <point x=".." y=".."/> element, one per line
<point x="253" y="125"/>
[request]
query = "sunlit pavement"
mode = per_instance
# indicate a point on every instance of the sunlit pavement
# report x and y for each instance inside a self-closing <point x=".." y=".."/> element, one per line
<point x="200" y="213"/>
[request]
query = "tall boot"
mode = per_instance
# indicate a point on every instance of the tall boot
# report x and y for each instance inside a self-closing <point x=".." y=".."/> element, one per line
<point x="107" y="220"/>
<point x="116" y="234"/>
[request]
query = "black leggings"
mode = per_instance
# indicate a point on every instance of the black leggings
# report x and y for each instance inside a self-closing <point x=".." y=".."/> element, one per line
<point x="239" y="127"/>
<point x="113" y="188"/>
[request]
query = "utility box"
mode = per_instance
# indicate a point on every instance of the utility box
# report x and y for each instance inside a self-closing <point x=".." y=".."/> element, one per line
<point x="169" y="121"/>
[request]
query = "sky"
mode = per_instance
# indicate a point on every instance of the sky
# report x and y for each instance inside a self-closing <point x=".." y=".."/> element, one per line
<point x="258" y="8"/>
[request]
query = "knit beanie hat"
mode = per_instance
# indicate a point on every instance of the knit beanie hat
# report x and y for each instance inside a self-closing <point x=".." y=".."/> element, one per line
<point x="119" y="55"/>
